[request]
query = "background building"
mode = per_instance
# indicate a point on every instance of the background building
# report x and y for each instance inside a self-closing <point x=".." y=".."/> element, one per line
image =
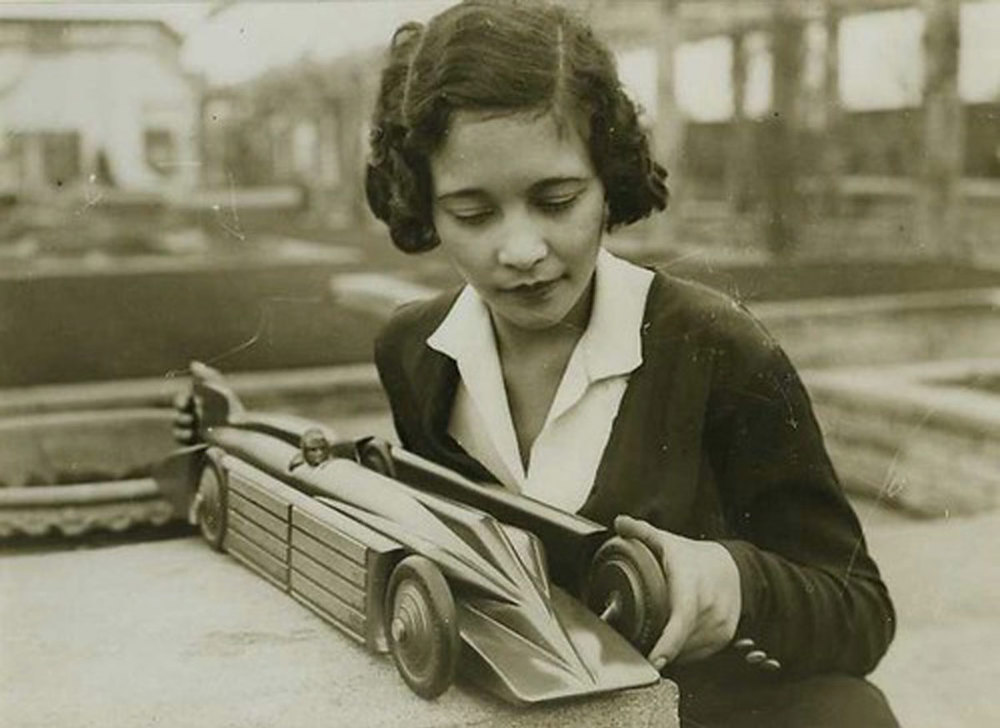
<point x="104" y="101"/>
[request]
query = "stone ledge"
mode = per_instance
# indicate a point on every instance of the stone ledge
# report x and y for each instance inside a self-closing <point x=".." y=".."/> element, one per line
<point x="887" y="304"/>
<point x="77" y="519"/>
<point x="172" y="633"/>
<point x="83" y="493"/>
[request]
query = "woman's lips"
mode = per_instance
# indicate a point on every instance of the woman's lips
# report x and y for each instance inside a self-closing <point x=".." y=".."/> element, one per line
<point x="533" y="291"/>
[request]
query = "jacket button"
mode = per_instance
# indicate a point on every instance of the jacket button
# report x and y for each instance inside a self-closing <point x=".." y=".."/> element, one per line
<point x="744" y="644"/>
<point x="770" y="665"/>
<point x="755" y="657"/>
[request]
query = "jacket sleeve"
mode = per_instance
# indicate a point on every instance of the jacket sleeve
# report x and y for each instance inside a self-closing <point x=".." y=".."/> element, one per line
<point x="812" y="597"/>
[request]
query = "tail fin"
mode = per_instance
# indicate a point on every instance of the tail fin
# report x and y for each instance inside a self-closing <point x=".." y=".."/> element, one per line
<point x="216" y="402"/>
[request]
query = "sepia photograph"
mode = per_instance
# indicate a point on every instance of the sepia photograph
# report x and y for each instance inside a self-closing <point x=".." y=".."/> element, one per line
<point x="510" y="363"/>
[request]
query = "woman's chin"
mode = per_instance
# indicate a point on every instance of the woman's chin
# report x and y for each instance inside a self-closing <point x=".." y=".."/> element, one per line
<point x="538" y="318"/>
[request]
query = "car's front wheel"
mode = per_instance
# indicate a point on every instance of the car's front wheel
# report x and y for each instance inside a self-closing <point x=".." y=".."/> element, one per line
<point x="626" y="586"/>
<point x="422" y="627"/>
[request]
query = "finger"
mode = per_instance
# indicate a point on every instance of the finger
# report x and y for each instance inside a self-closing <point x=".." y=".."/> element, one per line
<point x="183" y="419"/>
<point x="669" y="645"/>
<point x="181" y="435"/>
<point x="183" y="401"/>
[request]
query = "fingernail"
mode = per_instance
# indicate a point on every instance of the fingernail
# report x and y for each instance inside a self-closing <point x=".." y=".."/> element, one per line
<point x="659" y="663"/>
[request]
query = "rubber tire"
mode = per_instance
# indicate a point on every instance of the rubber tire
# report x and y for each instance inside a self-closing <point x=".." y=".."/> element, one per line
<point x="629" y="567"/>
<point x="213" y="497"/>
<point x="420" y="597"/>
<point x="376" y="454"/>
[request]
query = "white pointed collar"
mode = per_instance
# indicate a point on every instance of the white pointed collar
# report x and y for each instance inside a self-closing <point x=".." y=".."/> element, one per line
<point x="612" y="343"/>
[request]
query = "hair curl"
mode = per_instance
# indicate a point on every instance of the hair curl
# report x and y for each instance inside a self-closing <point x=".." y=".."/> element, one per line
<point x="504" y="57"/>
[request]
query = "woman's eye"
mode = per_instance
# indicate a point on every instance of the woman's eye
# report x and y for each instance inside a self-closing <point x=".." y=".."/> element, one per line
<point x="472" y="217"/>
<point x="556" y="204"/>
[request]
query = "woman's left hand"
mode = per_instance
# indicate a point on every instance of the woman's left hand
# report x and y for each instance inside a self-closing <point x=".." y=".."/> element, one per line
<point x="704" y="587"/>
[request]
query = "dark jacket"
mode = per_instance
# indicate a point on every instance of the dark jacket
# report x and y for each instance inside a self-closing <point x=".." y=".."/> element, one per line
<point x="715" y="439"/>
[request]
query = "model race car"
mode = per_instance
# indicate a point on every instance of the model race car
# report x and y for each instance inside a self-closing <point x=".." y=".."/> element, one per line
<point x="411" y="558"/>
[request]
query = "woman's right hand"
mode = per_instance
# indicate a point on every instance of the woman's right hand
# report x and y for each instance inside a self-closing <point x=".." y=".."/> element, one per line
<point x="704" y="586"/>
<point x="185" y="424"/>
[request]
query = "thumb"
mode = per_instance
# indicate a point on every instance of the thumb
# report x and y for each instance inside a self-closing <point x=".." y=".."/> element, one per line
<point x="628" y="527"/>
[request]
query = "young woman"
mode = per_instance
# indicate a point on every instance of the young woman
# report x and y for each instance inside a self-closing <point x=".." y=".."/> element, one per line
<point x="502" y="134"/>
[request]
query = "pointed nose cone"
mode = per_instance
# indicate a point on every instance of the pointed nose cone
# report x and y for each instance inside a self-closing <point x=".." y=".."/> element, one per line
<point x="501" y="659"/>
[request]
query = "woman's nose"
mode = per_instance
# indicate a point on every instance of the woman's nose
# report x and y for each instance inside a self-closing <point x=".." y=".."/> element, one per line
<point x="523" y="246"/>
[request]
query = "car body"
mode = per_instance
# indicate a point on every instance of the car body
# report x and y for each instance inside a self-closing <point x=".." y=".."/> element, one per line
<point x="408" y="557"/>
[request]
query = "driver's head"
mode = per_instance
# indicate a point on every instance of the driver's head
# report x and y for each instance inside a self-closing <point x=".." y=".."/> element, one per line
<point x="315" y="446"/>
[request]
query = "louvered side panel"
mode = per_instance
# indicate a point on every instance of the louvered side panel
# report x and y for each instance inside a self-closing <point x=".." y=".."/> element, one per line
<point x="339" y="568"/>
<point x="259" y="523"/>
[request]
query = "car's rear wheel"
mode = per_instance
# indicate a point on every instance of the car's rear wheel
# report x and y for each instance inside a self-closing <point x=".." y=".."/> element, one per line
<point x="626" y="586"/>
<point x="421" y="626"/>
<point x="210" y="504"/>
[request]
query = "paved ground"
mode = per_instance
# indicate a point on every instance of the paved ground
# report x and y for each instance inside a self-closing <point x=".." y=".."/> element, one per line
<point x="944" y="668"/>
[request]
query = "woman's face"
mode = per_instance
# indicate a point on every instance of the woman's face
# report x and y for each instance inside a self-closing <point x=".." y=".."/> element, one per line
<point x="520" y="211"/>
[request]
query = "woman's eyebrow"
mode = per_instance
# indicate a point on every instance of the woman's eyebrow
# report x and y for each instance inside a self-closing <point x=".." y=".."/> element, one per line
<point x="537" y="187"/>
<point x="549" y="182"/>
<point x="464" y="193"/>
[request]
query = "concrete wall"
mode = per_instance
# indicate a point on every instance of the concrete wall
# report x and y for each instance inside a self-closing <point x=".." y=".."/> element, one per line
<point x="151" y="320"/>
<point x="912" y="437"/>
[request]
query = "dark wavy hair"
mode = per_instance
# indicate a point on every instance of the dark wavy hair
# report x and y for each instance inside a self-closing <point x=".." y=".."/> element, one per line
<point x="504" y="57"/>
